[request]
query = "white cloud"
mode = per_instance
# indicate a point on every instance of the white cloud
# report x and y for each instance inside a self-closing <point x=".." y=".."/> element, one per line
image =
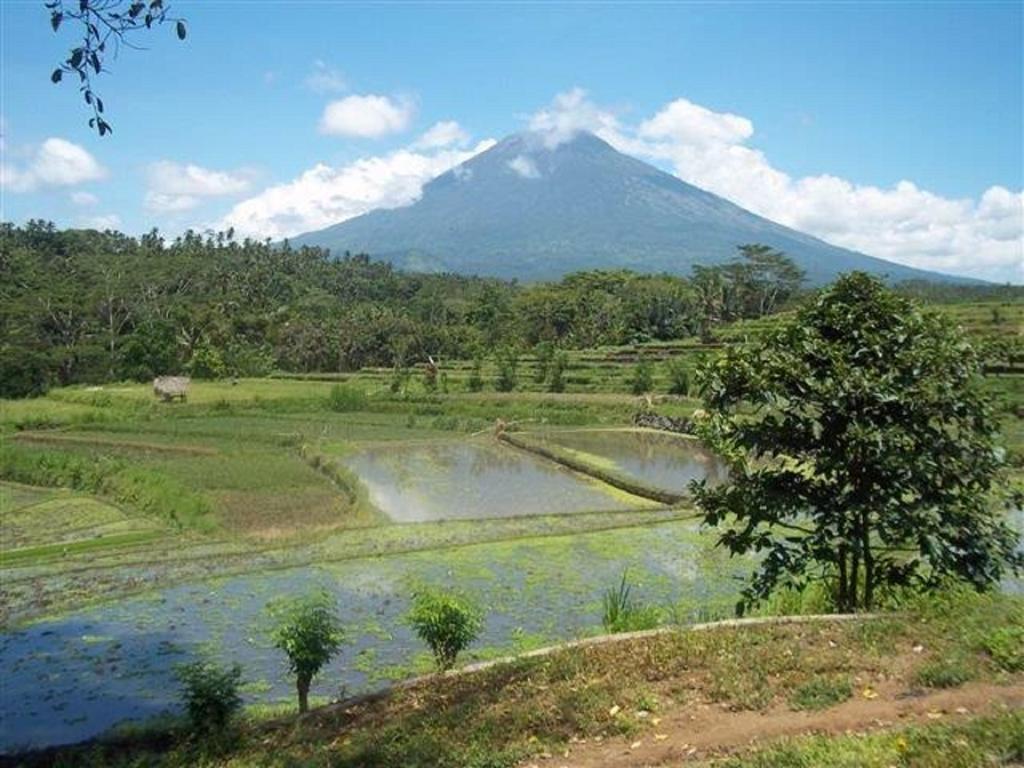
<point x="325" y="79"/>
<point x="443" y="134"/>
<point x="326" y="195"/>
<point x="174" y="187"/>
<point x="367" y="117"/>
<point x="903" y="223"/>
<point x="104" y="222"/>
<point x="524" y="166"/>
<point x="568" y="114"/>
<point x="84" y="199"/>
<point x="54" y="163"/>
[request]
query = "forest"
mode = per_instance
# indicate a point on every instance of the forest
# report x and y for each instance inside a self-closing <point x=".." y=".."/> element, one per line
<point x="82" y="306"/>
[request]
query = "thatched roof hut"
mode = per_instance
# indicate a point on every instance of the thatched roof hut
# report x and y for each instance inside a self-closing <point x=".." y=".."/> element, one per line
<point x="169" y="387"/>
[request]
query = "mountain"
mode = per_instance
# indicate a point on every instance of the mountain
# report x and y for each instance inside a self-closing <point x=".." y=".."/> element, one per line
<point x="523" y="210"/>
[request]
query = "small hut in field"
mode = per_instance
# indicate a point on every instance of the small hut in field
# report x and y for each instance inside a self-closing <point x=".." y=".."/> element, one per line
<point x="167" y="388"/>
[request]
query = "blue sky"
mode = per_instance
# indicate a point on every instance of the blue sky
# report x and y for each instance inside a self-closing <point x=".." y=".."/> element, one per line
<point x="817" y="115"/>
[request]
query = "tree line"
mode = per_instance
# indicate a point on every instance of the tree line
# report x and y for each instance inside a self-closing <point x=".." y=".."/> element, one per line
<point x="82" y="306"/>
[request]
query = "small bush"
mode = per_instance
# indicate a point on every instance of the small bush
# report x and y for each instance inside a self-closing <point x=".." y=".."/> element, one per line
<point x="508" y="364"/>
<point x="476" y="378"/>
<point x="556" y="372"/>
<point x="545" y="354"/>
<point x="622" y="613"/>
<point x="642" y="380"/>
<point x="207" y="363"/>
<point x="346" y="398"/>
<point x="446" y="622"/>
<point x="309" y="632"/>
<point x="944" y="673"/>
<point x="210" y="694"/>
<point x="678" y="377"/>
<point x="1006" y="648"/>
<point x="820" y="693"/>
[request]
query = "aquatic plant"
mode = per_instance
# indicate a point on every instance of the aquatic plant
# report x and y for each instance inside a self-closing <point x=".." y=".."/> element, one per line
<point x="622" y="613"/>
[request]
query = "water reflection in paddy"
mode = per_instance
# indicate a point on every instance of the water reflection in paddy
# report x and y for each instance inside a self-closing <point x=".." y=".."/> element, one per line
<point x="658" y="459"/>
<point x="474" y="479"/>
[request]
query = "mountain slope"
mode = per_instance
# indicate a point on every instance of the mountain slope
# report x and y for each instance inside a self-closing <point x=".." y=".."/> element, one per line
<point x="521" y="210"/>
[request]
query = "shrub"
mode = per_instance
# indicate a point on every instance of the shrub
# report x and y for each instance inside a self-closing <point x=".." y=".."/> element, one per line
<point x="642" y="380"/>
<point x="944" y="673"/>
<point x="399" y="379"/>
<point x="210" y="694"/>
<point x="545" y="353"/>
<point x="309" y="633"/>
<point x="508" y="363"/>
<point x="346" y="398"/>
<point x="678" y="377"/>
<point x="475" y="382"/>
<point x="1006" y="648"/>
<point x="446" y="622"/>
<point x="622" y="613"/>
<point x="820" y="693"/>
<point x="207" y="363"/>
<point x="556" y="371"/>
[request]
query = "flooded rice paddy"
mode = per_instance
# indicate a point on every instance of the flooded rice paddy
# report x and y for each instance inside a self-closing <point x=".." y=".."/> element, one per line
<point x="657" y="459"/>
<point x="73" y="677"/>
<point x="445" y="480"/>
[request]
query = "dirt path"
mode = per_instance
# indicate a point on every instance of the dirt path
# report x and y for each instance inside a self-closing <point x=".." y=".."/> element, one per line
<point x="681" y="736"/>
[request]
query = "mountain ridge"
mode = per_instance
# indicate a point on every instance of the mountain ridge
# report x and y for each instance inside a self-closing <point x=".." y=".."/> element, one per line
<point x="524" y="210"/>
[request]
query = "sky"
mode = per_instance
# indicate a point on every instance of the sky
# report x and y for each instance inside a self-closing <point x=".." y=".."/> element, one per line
<point x="896" y="129"/>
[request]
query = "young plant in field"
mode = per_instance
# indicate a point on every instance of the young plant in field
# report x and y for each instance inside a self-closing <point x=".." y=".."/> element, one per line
<point x="448" y="623"/>
<point x="556" y="372"/>
<point x="508" y="364"/>
<point x="309" y="632"/>
<point x="622" y="612"/>
<point x="642" y="380"/>
<point x="475" y="382"/>
<point x="678" y="377"/>
<point x="210" y="693"/>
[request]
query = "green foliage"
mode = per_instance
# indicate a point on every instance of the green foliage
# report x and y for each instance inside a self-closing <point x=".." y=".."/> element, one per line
<point x="508" y="364"/>
<point x="447" y="622"/>
<point x="642" y="379"/>
<point x="861" y="449"/>
<point x="207" y="363"/>
<point x="309" y="632"/>
<point x="556" y="371"/>
<point x="346" y="397"/>
<point x="211" y="695"/>
<point x="820" y="693"/>
<point x="621" y="612"/>
<point x="1005" y="646"/>
<point x="678" y="377"/>
<point x="119" y="309"/>
<point x="475" y="382"/>
<point x="545" y="354"/>
<point x="944" y="672"/>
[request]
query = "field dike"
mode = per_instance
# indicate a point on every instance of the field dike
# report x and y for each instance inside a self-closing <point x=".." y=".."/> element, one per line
<point x="570" y="461"/>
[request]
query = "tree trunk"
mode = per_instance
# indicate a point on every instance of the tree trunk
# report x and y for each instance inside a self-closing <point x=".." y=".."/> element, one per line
<point x="841" y="599"/>
<point x="869" y="562"/>
<point x="302" y="684"/>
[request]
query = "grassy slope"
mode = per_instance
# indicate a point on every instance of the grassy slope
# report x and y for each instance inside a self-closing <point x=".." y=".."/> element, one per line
<point x="502" y="715"/>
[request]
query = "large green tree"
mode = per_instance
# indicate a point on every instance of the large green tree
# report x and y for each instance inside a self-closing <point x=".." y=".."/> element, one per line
<point x="862" y="451"/>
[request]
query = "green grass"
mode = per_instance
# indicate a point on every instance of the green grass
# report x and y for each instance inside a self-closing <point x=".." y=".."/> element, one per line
<point x="821" y="693"/>
<point x="517" y="710"/>
<point x="978" y="743"/>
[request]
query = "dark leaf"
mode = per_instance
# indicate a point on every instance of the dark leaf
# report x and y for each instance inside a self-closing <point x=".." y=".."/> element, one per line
<point x="56" y="76"/>
<point x="181" y="30"/>
<point x="76" y="58"/>
<point x="95" y="62"/>
<point x="55" y="19"/>
<point x="99" y="104"/>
